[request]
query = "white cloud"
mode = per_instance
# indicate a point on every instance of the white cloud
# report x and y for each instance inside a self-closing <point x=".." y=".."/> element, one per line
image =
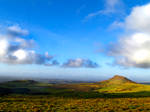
<point x="17" y="50"/>
<point x="20" y="54"/>
<point x="133" y="50"/>
<point x="139" y="19"/>
<point x="3" y="48"/>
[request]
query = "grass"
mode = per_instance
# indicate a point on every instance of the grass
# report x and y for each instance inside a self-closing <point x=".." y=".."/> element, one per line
<point x="117" y="94"/>
<point x="124" y="88"/>
<point x="29" y="103"/>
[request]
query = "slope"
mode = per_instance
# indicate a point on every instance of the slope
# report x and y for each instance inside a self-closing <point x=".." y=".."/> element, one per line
<point x="120" y="84"/>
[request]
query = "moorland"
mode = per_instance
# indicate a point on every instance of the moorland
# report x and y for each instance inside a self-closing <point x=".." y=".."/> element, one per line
<point x="117" y="94"/>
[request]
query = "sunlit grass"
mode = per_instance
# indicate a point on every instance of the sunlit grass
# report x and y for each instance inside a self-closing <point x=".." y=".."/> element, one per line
<point x="124" y="88"/>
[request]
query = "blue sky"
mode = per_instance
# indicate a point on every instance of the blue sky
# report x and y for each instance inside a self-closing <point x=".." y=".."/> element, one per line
<point x="80" y="35"/>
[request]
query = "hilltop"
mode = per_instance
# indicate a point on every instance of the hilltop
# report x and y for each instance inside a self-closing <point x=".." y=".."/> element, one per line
<point x="116" y="80"/>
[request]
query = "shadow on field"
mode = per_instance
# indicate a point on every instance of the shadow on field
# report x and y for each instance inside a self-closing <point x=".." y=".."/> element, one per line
<point x="73" y="94"/>
<point x="102" y="95"/>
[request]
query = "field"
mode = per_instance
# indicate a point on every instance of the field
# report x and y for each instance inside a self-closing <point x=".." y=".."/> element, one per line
<point x="29" y="103"/>
<point x="117" y="94"/>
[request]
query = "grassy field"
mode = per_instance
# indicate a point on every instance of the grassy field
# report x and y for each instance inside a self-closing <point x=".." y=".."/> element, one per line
<point x="29" y="103"/>
<point x="117" y="94"/>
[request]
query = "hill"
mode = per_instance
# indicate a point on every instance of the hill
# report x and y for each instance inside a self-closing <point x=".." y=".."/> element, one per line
<point x="19" y="83"/>
<point x="62" y="81"/>
<point x="25" y="87"/>
<point x="120" y="84"/>
<point x="116" y="80"/>
<point x="116" y="84"/>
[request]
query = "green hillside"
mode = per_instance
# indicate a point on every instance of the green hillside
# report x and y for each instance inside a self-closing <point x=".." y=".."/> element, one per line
<point x="120" y="84"/>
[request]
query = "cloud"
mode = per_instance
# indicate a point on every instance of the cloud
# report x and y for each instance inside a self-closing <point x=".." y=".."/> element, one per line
<point x="78" y="63"/>
<point x="139" y="19"/>
<point x="17" y="31"/>
<point x="54" y="62"/>
<point x="111" y="6"/>
<point x="14" y="49"/>
<point x="133" y="50"/>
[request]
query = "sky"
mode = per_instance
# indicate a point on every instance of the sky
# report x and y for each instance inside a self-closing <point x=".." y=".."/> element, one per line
<point x="75" y="39"/>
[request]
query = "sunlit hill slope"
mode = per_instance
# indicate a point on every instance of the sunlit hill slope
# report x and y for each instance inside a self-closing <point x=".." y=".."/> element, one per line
<point x="120" y="84"/>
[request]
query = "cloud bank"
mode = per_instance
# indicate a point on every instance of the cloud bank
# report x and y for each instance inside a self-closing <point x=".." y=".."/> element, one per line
<point x="79" y="62"/>
<point x="133" y="50"/>
<point x="15" y="49"/>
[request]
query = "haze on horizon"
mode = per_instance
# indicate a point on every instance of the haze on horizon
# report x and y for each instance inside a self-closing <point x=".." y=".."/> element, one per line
<point x="80" y="39"/>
